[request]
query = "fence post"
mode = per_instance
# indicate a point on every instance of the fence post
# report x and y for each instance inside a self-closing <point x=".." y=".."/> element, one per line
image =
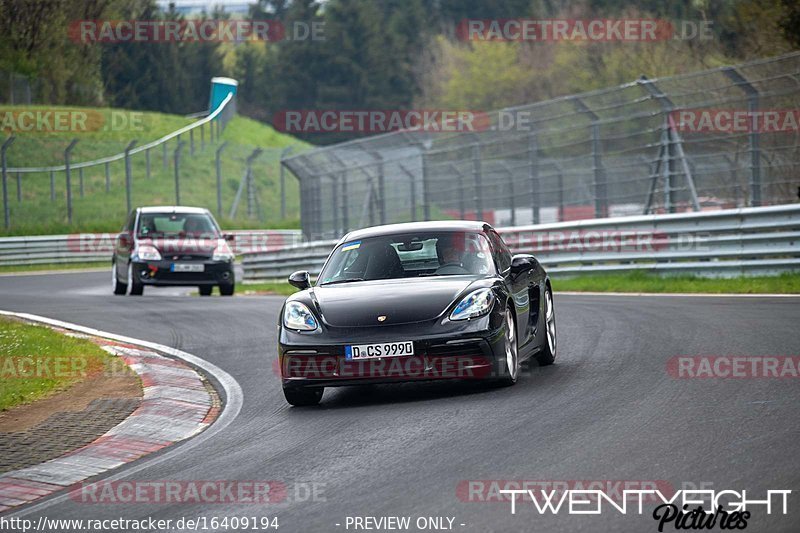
<point x="282" y="170"/>
<point x="462" y="209"/>
<point x="412" y="181"/>
<point x="249" y="188"/>
<point x="335" y="201"/>
<point x="670" y="149"/>
<point x="250" y="194"/>
<point x="80" y="181"/>
<point x="381" y="188"/>
<point x="244" y="183"/>
<point x="318" y="206"/>
<point x="345" y="217"/>
<point x="753" y="136"/>
<point x="68" y="172"/>
<point x="147" y="164"/>
<point x="177" y="163"/>
<point x="164" y="157"/>
<point x="426" y="203"/>
<point x="512" y="200"/>
<point x="108" y="177"/>
<point x="218" y="167"/>
<point x="52" y="186"/>
<point x="19" y="187"/>
<point x="600" y="182"/>
<point x="533" y="176"/>
<point x="191" y="142"/>
<point x="202" y="138"/>
<point x="4" y="164"/>
<point x="128" y="174"/>
<point x="345" y="220"/>
<point x="304" y="228"/>
<point x="477" y="184"/>
<point x="560" y="185"/>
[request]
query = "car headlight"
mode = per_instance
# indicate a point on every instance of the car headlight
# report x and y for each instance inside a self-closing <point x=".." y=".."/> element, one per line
<point x="222" y="252"/>
<point x="475" y="304"/>
<point x="146" y="252"/>
<point x="298" y="316"/>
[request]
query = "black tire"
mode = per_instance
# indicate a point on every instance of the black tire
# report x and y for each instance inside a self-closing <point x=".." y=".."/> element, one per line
<point x="205" y="290"/>
<point x="509" y="365"/>
<point x="227" y="289"/>
<point x="547" y="355"/>
<point x="135" y="287"/>
<point x="303" y="397"/>
<point x="116" y="285"/>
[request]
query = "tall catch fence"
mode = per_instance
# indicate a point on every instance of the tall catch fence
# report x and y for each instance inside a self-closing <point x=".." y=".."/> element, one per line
<point x="716" y="139"/>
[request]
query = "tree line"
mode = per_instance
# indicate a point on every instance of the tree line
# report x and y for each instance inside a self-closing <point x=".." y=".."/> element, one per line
<point x="376" y="54"/>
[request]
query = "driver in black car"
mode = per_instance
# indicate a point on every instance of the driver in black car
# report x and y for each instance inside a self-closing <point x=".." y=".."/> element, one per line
<point x="451" y="252"/>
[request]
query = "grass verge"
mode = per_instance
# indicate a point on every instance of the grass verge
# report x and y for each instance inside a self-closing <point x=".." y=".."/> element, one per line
<point x="643" y="282"/>
<point x="36" y="361"/>
<point x="6" y="269"/>
<point x="633" y="282"/>
<point x="271" y="287"/>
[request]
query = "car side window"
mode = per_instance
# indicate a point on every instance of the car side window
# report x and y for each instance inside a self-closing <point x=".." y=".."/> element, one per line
<point x="501" y="253"/>
<point x="131" y="221"/>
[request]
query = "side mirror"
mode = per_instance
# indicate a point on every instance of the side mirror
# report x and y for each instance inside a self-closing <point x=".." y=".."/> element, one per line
<point x="300" y="279"/>
<point x="229" y="237"/>
<point x="125" y="239"/>
<point x="522" y="263"/>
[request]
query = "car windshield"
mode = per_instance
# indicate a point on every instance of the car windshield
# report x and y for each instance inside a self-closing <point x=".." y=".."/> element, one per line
<point x="177" y="225"/>
<point x="409" y="255"/>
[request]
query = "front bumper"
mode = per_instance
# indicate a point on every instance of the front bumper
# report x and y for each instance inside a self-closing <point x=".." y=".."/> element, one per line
<point x="469" y="351"/>
<point x="160" y="273"/>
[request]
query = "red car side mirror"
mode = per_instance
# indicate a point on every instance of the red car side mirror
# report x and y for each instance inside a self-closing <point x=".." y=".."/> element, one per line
<point x="125" y="240"/>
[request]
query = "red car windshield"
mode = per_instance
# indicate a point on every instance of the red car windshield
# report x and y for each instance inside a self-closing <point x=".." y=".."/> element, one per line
<point x="177" y="225"/>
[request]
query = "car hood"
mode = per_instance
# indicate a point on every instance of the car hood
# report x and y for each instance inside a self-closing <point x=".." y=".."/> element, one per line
<point x="400" y="301"/>
<point x="184" y="246"/>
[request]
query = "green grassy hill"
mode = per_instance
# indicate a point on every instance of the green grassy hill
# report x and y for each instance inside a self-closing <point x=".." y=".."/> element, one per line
<point x="101" y="211"/>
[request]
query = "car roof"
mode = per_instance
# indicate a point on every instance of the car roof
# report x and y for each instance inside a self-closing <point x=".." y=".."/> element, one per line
<point x="172" y="209"/>
<point x="412" y="227"/>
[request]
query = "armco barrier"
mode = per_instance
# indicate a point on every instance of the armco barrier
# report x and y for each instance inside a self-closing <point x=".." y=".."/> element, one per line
<point x="745" y="241"/>
<point x="90" y="247"/>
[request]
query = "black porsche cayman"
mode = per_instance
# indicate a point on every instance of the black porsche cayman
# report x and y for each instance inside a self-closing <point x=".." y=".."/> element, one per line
<point x="418" y="301"/>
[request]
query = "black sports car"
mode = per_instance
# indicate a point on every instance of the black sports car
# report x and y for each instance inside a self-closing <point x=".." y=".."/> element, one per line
<point x="418" y="301"/>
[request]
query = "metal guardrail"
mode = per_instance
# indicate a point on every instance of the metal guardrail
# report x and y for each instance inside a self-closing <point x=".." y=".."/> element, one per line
<point x="92" y="247"/>
<point x="744" y="241"/>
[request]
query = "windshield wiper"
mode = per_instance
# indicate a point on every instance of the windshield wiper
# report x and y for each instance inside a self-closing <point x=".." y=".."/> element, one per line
<point x="345" y="280"/>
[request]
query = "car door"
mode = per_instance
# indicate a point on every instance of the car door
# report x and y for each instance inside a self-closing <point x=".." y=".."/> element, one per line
<point x="123" y="245"/>
<point x="518" y="286"/>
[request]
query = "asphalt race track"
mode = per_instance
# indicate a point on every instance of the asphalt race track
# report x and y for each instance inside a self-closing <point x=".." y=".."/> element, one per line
<point x="607" y="410"/>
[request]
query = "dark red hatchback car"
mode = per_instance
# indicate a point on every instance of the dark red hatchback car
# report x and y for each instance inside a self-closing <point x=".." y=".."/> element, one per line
<point x="172" y="245"/>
